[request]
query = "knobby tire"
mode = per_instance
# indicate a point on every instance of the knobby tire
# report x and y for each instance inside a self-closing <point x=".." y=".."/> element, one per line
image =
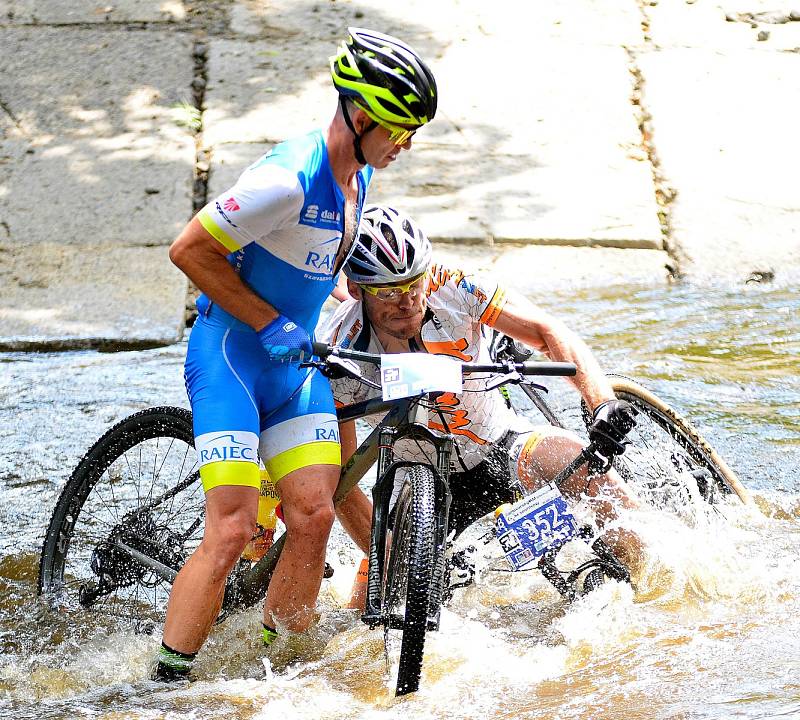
<point x="409" y="573"/>
<point x="661" y="430"/>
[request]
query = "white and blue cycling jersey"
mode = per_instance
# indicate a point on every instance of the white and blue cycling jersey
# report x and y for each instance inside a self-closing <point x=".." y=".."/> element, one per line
<point x="283" y="223"/>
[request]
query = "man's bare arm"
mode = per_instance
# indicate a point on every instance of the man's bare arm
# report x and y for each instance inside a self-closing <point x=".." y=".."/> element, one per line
<point x="524" y="321"/>
<point x="340" y="292"/>
<point x="204" y="261"/>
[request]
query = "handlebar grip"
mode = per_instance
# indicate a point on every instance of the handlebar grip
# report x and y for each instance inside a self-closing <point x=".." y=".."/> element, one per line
<point x="321" y="349"/>
<point x="551" y="368"/>
<point x="527" y="368"/>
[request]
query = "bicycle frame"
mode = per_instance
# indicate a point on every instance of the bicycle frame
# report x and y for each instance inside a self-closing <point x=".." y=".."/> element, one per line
<point x="404" y="418"/>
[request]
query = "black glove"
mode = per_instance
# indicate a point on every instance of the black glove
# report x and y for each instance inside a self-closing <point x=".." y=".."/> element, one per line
<point x="611" y="422"/>
<point x="502" y="347"/>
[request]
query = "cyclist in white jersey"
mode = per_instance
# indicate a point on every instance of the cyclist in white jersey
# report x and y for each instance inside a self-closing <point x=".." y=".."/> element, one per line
<point x="402" y="303"/>
<point x="266" y="255"/>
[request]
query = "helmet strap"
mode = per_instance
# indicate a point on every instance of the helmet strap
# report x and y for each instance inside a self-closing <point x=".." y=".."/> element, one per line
<point x="356" y="137"/>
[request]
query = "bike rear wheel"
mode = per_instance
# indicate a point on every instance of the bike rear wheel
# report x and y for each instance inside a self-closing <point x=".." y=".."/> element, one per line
<point x="136" y="489"/>
<point x="668" y="461"/>
<point x="408" y="575"/>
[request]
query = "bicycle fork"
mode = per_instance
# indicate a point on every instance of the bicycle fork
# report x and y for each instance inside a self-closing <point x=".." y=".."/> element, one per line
<point x="381" y="500"/>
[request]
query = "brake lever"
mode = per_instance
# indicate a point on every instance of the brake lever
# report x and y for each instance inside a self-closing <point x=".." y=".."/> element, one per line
<point x="498" y="380"/>
<point x="317" y="364"/>
<point x="346" y="368"/>
<point x="513" y="378"/>
<point x="534" y="385"/>
<point x="598" y="463"/>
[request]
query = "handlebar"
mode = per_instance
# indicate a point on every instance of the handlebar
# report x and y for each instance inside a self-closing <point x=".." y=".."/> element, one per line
<point x="323" y="350"/>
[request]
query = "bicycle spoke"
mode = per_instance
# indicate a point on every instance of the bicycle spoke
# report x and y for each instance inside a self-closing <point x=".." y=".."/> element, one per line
<point x="147" y="496"/>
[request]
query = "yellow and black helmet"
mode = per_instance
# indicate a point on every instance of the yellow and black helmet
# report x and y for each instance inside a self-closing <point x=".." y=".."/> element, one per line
<point x="385" y="78"/>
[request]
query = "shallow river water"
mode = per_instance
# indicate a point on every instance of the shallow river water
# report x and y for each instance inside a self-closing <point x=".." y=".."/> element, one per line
<point x="712" y="630"/>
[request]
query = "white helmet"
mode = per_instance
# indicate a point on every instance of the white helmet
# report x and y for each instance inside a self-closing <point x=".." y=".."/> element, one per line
<point x="389" y="248"/>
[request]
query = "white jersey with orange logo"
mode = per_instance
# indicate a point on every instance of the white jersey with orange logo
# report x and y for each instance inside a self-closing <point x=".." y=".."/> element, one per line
<point x="459" y="306"/>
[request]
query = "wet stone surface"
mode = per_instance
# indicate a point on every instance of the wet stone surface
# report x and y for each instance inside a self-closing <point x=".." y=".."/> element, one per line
<point x="96" y="183"/>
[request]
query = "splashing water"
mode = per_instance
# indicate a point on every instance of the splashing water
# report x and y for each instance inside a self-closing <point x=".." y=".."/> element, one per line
<point x="710" y="629"/>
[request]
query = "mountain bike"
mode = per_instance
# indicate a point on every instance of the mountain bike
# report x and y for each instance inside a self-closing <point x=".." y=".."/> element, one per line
<point x="132" y="511"/>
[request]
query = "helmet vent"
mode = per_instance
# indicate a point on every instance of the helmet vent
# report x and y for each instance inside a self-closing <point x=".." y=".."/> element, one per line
<point x="383" y="256"/>
<point x="390" y="238"/>
<point x="391" y="107"/>
<point x="389" y="247"/>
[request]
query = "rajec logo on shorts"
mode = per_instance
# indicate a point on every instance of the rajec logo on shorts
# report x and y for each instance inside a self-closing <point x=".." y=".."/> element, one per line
<point x="216" y="447"/>
<point x="231" y="205"/>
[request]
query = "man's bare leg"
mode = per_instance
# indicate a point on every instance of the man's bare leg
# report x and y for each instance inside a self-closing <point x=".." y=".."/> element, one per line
<point x="355" y="514"/>
<point x="307" y="502"/>
<point x="198" y="590"/>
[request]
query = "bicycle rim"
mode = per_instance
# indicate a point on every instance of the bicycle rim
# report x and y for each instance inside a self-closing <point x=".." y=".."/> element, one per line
<point x="668" y="461"/>
<point x="137" y="485"/>
<point x="407" y="582"/>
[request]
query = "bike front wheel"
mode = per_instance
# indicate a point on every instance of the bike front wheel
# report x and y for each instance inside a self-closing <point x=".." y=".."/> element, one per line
<point x="668" y="460"/>
<point x="409" y="574"/>
<point x="128" y="518"/>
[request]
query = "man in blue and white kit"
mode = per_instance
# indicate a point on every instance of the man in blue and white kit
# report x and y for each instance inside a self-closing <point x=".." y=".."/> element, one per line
<point x="266" y="255"/>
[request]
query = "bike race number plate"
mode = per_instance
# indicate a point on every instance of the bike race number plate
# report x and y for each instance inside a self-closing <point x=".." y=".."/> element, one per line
<point x="408" y="374"/>
<point x="528" y="528"/>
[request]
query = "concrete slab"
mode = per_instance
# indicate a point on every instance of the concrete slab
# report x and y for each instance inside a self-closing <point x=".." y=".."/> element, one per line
<point x="261" y="93"/>
<point x="113" y="189"/>
<point x="58" y="12"/>
<point x="95" y="295"/>
<point x="467" y="196"/>
<point x="724" y="128"/>
<point x="88" y="158"/>
<point x="106" y="158"/>
<point x="556" y="159"/>
<point x="764" y="25"/>
<point x="536" y="270"/>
